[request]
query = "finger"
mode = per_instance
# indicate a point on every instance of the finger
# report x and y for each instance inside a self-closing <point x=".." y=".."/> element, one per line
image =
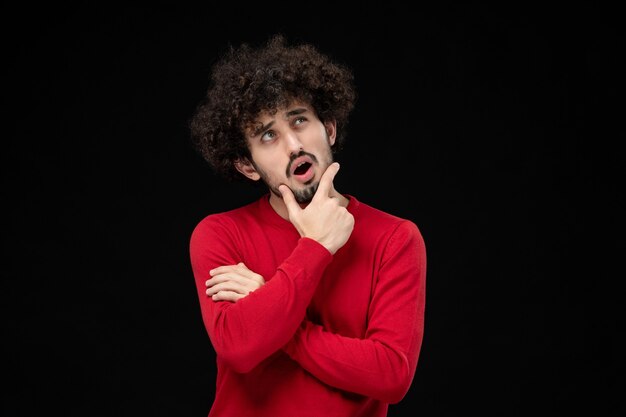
<point x="235" y="277"/>
<point x="227" y="296"/>
<point x="289" y="199"/>
<point x="227" y="286"/>
<point x="326" y="182"/>
<point x="241" y="275"/>
<point x="250" y="274"/>
<point x="222" y="269"/>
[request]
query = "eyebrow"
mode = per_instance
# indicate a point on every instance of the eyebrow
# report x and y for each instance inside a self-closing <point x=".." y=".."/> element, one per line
<point x="294" y="112"/>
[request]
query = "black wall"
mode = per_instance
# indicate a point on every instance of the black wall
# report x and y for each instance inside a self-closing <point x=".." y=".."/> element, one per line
<point x="499" y="131"/>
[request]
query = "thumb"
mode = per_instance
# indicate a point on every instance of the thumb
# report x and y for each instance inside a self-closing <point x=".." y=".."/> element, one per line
<point x="289" y="199"/>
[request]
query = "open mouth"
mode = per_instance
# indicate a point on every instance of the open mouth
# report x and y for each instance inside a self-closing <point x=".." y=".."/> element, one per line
<point x="302" y="168"/>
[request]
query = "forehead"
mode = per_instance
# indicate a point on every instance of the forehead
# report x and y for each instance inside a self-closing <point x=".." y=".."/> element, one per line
<point x="282" y="112"/>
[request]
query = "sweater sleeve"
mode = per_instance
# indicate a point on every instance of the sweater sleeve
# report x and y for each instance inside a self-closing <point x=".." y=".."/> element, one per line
<point x="382" y="364"/>
<point x="246" y="332"/>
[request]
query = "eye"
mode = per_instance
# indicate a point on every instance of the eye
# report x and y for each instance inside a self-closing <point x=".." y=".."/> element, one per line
<point x="299" y="120"/>
<point x="267" y="136"/>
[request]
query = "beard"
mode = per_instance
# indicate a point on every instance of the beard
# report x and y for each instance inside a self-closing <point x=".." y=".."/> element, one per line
<point x="304" y="195"/>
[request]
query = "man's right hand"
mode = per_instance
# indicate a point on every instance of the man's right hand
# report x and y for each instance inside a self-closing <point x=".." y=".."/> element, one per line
<point x="323" y="219"/>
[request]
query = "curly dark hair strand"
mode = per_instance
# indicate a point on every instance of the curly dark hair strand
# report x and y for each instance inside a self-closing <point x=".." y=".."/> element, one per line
<point x="247" y="81"/>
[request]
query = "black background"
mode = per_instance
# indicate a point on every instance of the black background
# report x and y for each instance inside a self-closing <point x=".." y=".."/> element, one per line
<point x="498" y="130"/>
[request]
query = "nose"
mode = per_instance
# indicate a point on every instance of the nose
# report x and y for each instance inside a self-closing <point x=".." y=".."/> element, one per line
<point x="293" y="143"/>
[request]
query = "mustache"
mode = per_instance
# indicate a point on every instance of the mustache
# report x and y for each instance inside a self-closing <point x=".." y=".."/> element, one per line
<point x="293" y="157"/>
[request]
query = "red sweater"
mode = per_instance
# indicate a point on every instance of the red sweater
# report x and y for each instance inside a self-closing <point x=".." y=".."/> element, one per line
<point x="327" y="335"/>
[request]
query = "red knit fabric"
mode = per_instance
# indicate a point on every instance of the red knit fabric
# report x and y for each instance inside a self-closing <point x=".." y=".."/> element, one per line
<point x="326" y="335"/>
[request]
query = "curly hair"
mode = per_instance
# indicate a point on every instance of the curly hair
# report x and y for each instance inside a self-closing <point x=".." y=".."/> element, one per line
<point x="247" y="81"/>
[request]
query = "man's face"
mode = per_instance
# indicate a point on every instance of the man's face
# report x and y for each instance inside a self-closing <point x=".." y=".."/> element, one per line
<point x="292" y="147"/>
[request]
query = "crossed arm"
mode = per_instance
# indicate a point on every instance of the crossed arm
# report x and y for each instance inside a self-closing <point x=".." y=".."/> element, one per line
<point x="382" y="363"/>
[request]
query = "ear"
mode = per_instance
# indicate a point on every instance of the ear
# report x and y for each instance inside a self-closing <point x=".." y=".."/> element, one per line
<point x="246" y="168"/>
<point x="331" y="131"/>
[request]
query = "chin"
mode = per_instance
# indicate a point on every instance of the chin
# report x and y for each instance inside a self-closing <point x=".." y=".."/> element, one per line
<point x="305" y="195"/>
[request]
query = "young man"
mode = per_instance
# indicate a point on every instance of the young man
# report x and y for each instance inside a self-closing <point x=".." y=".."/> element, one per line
<point x="312" y="300"/>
